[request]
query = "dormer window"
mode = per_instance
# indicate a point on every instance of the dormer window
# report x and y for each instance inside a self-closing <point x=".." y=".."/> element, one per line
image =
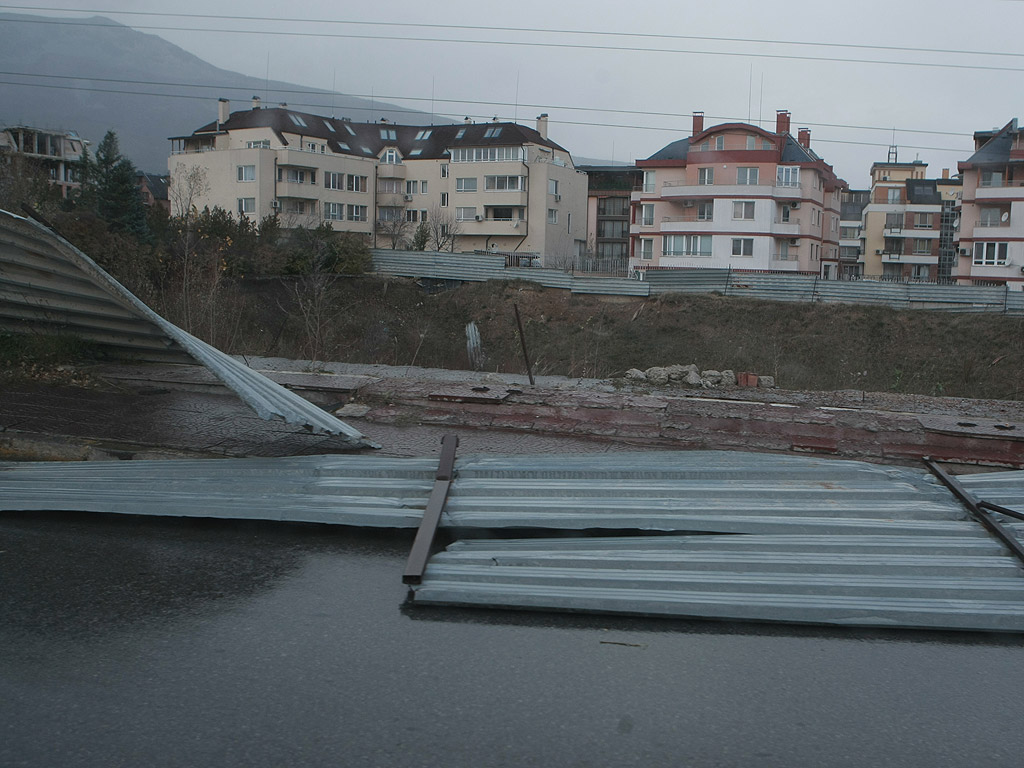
<point x="390" y="156"/>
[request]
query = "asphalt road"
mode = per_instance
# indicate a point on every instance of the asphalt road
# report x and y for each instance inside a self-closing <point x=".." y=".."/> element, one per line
<point x="139" y="642"/>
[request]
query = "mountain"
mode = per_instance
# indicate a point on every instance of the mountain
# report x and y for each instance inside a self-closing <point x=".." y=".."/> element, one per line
<point x="40" y="57"/>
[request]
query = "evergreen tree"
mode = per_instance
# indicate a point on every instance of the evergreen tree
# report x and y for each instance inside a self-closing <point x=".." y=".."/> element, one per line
<point x="117" y="199"/>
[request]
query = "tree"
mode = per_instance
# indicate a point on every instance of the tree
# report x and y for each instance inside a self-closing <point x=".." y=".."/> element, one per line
<point x="444" y="229"/>
<point x="421" y="237"/>
<point x="395" y="229"/>
<point x="25" y="181"/>
<point x="113" y="189"/>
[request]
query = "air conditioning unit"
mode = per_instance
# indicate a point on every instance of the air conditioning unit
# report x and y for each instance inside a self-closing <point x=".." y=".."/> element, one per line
<point x="478" y="217"/>
<point x="794" y="241"/>
<point x="964" y="252"/>
<point x="558" y="198"/>
<point x="408" y="198"/>
<point x="1022" y="270"/>
<point x="275" y="205"/>
<point x="688" y="203"/>
<point x="878" y="252"/>
<point x="794" y="205"/>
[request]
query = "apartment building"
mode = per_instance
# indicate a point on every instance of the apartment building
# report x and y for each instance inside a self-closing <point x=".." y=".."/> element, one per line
<point x="609" y="190"/>
<point x="851" y="213"/>
<point x="58" y="152"/>
<point x="496" y="186"/>
<point x="908" y="228"/>
<point x="992" y="211"/>
<point x="736" y="195"/>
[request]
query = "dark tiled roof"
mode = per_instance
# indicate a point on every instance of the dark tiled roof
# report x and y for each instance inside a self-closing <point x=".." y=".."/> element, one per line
<point x="794" y="152"/>
<point x="157" y="184"/>
<point x="675" y="151"/>
<point x="923" y="192"/>
<point x="996" y="149"/>
<point x="369" y="135"/>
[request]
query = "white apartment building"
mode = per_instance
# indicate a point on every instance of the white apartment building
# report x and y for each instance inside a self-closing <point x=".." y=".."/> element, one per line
<point x="499" y="186"/>
<point x="737" y="196"/>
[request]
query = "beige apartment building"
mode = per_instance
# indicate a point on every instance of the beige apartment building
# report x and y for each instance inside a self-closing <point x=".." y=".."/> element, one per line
<point x="908" y="225"/>
<point x="992" y="212"/>
<point x="498" y="186"/>
<point x="58" y="152"/>
<point x="737" y="196"/>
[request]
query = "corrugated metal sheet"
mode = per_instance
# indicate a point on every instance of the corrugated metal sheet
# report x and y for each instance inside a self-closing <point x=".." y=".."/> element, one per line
<point x="687" y="280"/>
<point x="49" y="286"/>
<point x="939" y="582"/>
<point x="364" y="491"/>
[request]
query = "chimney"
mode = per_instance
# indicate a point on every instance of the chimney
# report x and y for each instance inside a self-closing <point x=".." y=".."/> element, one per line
<point x="945" y="173"/>
<point x="698" y="122"/>
<point x="223" y="111"/>
<point x="804" y="138"/>
<point x="283" y="105"/>
<point x="383" y="121"/>
<point x="255" y="102"/>
<point x="467" y="121"/>
<point x="782" y="121"/>
<point x="542" y="125"/>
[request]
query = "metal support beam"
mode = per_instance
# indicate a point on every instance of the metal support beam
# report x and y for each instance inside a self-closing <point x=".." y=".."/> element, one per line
<point x="421" y="545"/>
<point x="1001" y="509"/>
<point x="977" y="511"/>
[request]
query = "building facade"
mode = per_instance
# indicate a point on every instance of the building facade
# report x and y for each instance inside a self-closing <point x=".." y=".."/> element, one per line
<point x="498" y="186"/>
<point x="908" y="229"/>
<point x="609" y="191"/>
<point x="851" y="214"/>
<point x="740" y="197"/>
<point x="57" y="152"/>
<point x="992" y="210"/>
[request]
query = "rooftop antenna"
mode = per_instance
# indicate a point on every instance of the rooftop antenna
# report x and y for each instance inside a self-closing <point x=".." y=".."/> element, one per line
<point x="515" y="118"/>
<point x="760" y="104"/>
<point x="431" y="99"/>
<point x="750" y="90"/>
<point x="334" y="90"/>
<point x="266" y="86"/>
<point x="892" y="151"/>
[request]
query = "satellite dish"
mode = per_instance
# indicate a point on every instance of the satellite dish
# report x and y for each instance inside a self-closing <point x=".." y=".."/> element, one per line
<point x="956" y="223"/>
<point x="1005" y="217"/>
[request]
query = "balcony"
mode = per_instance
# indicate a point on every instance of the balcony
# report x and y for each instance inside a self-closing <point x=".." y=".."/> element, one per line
<point x="1005" y="190"/>
<point x="896" y="232"/>
<point x="494" y="227"/>
<point x="391" y="171"/>
<point x="784" y="262"/>
<point x="502" y="198"/>
<point x="785" y="228"/>
<point x="909" y="258"/>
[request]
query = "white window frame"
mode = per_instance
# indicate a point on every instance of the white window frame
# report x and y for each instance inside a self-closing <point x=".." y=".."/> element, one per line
<point x="743" y="210"/>
<point x="334" y="180"/>
<point x="444" y="199"/>
<point x="552" y="215"/>
<point x="334" y="211"/>
<point x="706" y="176"/>
<point x="706" y="210"/>
<point x="465" y="213"/>
<point x="647" y="215"/>
<point x="747" y="176"/>
<point x="741" y="244"/>
<point x="650" y="181"/>
<point x="990" y="254"/>
<point x="356" y="183"/>
<point x="444" y="170"/>
<point x="647" y="248"/>
<point x="466" y="184"/>
<point x="503" y="183"/>
<point x="719" y="142"/>
<point x="787" y="176"/>
<point x="247" y="205"/>
<point x="357" y="212"/>
<point x="246" y="173"/>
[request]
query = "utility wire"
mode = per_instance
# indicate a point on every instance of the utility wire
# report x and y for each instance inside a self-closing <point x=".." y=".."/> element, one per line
<point x="308" y="92"/>
<point x="528" y="44"/>
<point x="540" y="30"/>
<point x="480" y="116"/>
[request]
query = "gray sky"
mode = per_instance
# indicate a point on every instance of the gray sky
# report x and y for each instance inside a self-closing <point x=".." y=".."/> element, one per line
<point x="487" y="78"/>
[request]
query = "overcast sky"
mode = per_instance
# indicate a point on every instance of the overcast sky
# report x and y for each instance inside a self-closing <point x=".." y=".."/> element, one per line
<point x="614" y="94"/>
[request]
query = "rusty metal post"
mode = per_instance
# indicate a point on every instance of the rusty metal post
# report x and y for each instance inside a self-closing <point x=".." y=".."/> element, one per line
<point x="522" y="340"/>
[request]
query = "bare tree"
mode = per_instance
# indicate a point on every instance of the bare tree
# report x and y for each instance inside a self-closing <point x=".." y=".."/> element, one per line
<point x="397" y="230"/>
<point x="444" y="229"/>
<point x="187" y="184"/>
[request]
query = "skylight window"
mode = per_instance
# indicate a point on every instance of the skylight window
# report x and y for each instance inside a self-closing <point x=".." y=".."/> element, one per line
<point x="367" y="150"/>
<point x="344" y="146"/>
<point x="349" y="129"/>
<point x="422" y="135"/>
<point x="388" y="134"/>
<point x="329" y="127"/>
<point x="415" y="152"/>
<point x="492" y="133"/>
<point x="298" y="120"/>
<point x="461" y="133"/>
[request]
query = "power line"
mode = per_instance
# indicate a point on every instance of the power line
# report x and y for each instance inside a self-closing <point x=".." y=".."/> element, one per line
<point x="541" y="30"/>
<point x="528" y="44"/>
<point x="480" y="116"/>
<point x="682" y="115"/>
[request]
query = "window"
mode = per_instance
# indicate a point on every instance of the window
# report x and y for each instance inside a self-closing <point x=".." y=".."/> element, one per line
<point x="423" y="187"/>
<point x="892" y="195"/>
<point x="646" y="248"/>
<point x="991" y="179"/>
<point x="349" y="129"/>
<point x="751" y="142"/>
<point x="647" y="214"/>
<point x="815" y="217"/>
<point x="705" y="210"/>
<point x="687" y="245"/>
<point x="356" y="183"/>
<point x="444" y="199"/>
<point x="412" y="187"/>
<point x="465" y="214"/>
<point x="611" y="250"/>
<point x="989" y="254"/>
<point x="922" y="245"/>
<point x="743" y="246"/>
<point x="766" y="145"/>
<point x="298" y="120"/>
<point x="389" y="186"/>
<point x="334" y="211"/>
<point x="261" y="144"/>
<point x="388" y="134"/>
<point x="705" y="146"/>
<point x="612" y="229"/>
<point x="412" y="215"/>
<point x="504" y="213"/>
<point x="552" y="215"/>
<point x="389" y="213"/>
<point x="311" y="147"/>
<point x="648" y="181"/>
<point x="894" y="221"/>
<point x="390" y="157"/>
<point x="787" y="176"/>
<point x="501" y="183"/>
<point x="461" y="133"/>
<point x="465" y="185"/>
<point x="329" y="127"/>
<point x="552" y="186"/>
<point x="785" y="212"/>
<point x="849" y="233"/>
<point x="492" y="133"/>
<point x="923" y="221"/>
<point x="705" y="176"/>
<point x="990" y="217"/>
<point x="719" y="142"/>
<point x="613" y="206"/>
<point x="357" y="212"/>
<point x="746" y="176"/>
<point x="247" y="205"/>
<point x="444" y="170"/>
<point x="486" y="154"/>
<point x="333" y="181"/>
<point x="743" y="209"/>
<point x="247" y="173"/>
<point x="292" y="175"/>
<point x="422" y="135"/>
<point x="423" y="215"/>
<point x="297" y="207"/>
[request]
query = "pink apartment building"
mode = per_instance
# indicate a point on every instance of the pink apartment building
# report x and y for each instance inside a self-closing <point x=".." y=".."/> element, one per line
<point x="737" y="196"/>
<point x="992" y="212"/>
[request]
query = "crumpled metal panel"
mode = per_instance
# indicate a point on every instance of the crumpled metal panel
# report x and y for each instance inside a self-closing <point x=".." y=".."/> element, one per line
<point x="48" y="285"/>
